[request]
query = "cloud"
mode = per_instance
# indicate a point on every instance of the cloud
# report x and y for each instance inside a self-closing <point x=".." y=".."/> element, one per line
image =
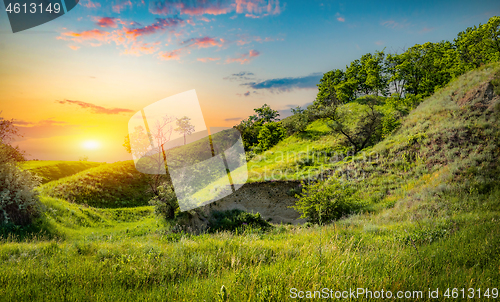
<point x="170" y="55"/>
<point x="203" y="42"/>
<point x="240" y="76"/>
<point x="204" y="60"/>
<point x="287" y="84"/>
<point x="94" y="108"/>
<point x="74" y="47"/>
<point x="395" y="25"/>
<point x="379" y="43"/>
<point x="121" y="5"/>
<point x="341" y="19"/>
<point x="90" y="4"/>
<point x="427" y="29"/>
<point x="251" y="8"/>
<point x="140" y="48"/>
<point x="43" y="128"/>
<point x="161" y="24"/>
<point x="244" y="58"/>
<point x="246" y="93"/>
<point x="126" y="37"/>
<point x="86" y="35"/>
<point x="233" y="119"/>
<point x="107" y="21"/>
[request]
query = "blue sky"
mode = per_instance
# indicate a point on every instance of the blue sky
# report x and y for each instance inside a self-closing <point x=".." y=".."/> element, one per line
<point x="112" y="58"/>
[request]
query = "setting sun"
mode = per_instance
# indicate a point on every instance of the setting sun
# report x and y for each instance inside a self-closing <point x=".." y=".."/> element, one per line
<point x="91" y="145"/>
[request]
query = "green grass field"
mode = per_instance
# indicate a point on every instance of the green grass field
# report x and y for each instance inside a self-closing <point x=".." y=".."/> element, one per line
<point x="50" y="170"/>
<point x="428" y="218"/>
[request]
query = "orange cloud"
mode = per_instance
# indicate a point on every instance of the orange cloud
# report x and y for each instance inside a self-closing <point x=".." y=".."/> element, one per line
<point x="204" y="60"/>
<point x="74" y="47"/>
<point x="159" y="25"/>
<point x="244" y="58"/>
<point x="203" y="42"/>
<point x="170" y="55"/>
<point x="95" y="108"/>
<point x="107" y="21"/>
<point x="87" y="35"/>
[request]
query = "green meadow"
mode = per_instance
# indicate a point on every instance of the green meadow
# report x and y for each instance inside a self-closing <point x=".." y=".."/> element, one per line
<point x="425" y="215"/>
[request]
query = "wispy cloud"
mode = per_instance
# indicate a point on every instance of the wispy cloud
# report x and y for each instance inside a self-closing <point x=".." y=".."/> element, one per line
<point x="244" y="58"/>
<point x="95" y="108"/>
<point x="120" y="5"/>
<point x="379" y="43"/>
<point x="394" y="24"/>
<point x="240" y="76"/>
<point x="287" y="84"/>
<point x="203" y="42"/>
<point x="427" y="29"/>
<point x="233" y="119"/>
<point x="161" y="24"/>
<point x="90" y="4"/>
<point x="170" y="55"/>
<point x="340" y="18"/>
<point x="250" y="8"/>
<point x="205" y="60"/>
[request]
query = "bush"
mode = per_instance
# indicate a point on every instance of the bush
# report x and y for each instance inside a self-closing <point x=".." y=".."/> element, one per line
<point x="19" y="203"/>
<point x="270" y="134"/>
<point x="324" y="201"/>
<point x="165" y="202"/>
<point x="296" y="123"/>
<point x="236" y="219"/>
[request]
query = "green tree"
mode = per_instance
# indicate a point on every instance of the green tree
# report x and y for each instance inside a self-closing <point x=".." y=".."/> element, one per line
<point x="270" y="134"/>
<point x="251" y="127"/>
<point x="363" y="132"/>
<point x="184" y="126"/>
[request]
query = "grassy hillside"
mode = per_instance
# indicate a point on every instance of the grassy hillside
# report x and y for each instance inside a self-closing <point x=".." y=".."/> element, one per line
<point x="428" y="217"/>
<point x="106" y="186"/>
<point x="50" y="170"/>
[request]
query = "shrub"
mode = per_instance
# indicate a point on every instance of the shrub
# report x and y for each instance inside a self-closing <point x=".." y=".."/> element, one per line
<point x="324" y="201"/>
<point x="165" y="202"/>
<point x="236" y="219"/>
<point x="270" y="134"/>
<point x="19" y="202"/>
<point x="296" y="123"/>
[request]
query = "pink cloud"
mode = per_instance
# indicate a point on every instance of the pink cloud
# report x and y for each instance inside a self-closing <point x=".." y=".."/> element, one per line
<point x="107" y="21"/>
<point x="251" y="8"/>
<point x="244" y="58"/>
<point x="204" y="60"/>
<point x="170" y="55"/>
<point x="341" y="19"/>
<point x="94" y="108"/>
<point x="74" y="47"/>
<point x="159" y="25"/>
<point x="203" y="42"/>
<point x="120" y="5"/>
<point x="90" y="4"/>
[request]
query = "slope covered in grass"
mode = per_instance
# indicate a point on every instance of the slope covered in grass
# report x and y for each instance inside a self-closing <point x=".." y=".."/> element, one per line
<point x="106" y="186"/>
<point x="50" y="170"/>
<point x="429" y="218"/>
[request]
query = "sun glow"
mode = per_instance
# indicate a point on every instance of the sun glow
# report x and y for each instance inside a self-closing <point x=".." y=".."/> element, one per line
<point x="91" y="145"/>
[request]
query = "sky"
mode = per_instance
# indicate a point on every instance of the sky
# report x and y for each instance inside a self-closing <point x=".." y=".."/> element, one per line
<point x="72" y="84"/>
